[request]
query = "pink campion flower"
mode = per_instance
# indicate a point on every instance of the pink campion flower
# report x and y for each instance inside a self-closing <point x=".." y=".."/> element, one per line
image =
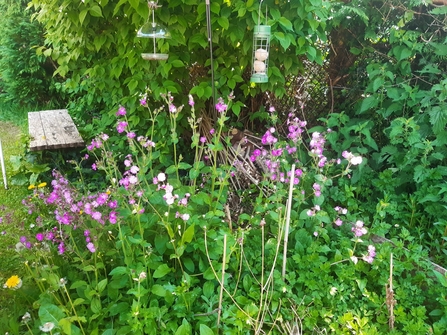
<point x="39" y="237"/>
<point x="97" y="216"/>
<point x="272" y="109"/>
<point x="191" y="100"/>
<point x="134" y="169"/>
<point x="121" y="111"/>
<point x="338" y="222"/>
<point x="172" y="109"/>
<point x="143" y="102"/>
<point x="104" y="137"/>
<point x="317" y="189"/>
<point x="212" y="131"/>
<point x="94" y="167"/>
<point x="131" y="134"/>
<point x="113" y="217"/>
<point x="91" y="247"/>
<point x="358" y="229"/>
<point x="369" y="258"/>
<point x="121" y="127"/>
<point x="202" y="139"/>
<point x="61" y="248"/>
<point x="221" y="106"/>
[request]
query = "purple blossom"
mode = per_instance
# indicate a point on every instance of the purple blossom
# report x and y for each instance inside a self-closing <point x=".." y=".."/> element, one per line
<point x="121" y="127"/>
<point x="203" y="139"/>
<point x="172" y="108"/>
<point x="113" y="216"/>
<point x="131" y="134"/>
<point x="91" y="247"/>
<point x="121" y="111"/>
<point x="358" y="229"/>
<point x="39" y="237"/>
<point x="221" y="107"/>
<point x="61" y="248"/>
<point x="143" y="102"/>
<point x="191" y="100"/>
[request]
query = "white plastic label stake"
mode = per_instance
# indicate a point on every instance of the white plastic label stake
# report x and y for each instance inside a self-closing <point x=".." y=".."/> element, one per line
<point x="5" y="181"/>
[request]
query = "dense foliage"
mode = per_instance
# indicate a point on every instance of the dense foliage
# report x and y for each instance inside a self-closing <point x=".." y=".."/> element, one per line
<point x="26" y="78"/>
<point x="174" y="236"/>
<point x="96" y="48"/>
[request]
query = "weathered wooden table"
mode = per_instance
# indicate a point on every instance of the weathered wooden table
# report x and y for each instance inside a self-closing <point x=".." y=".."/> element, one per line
<point x="53" y="129"/>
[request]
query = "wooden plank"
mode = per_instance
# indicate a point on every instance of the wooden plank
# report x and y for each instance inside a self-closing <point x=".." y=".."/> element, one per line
<point x="57" y="130"/>
<point x="36" y="132"/>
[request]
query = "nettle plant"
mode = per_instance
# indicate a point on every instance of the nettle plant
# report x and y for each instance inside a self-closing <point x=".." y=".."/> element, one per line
<point x="156" y="251"/>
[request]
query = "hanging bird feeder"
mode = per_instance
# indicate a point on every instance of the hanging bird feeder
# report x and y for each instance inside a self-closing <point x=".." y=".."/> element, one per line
<point x="154" y="31"/>
<point x="261" y="49"/>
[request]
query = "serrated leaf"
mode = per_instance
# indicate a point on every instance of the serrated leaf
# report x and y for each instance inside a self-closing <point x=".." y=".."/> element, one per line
<point x="368" y="103"/>
<point x="438" y="119"/>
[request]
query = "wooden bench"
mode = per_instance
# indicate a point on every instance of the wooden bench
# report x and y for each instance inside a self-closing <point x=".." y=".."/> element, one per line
<point x="53" y="129"/>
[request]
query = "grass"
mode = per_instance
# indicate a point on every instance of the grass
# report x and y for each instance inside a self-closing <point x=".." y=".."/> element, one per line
<point x="13" y="122"/>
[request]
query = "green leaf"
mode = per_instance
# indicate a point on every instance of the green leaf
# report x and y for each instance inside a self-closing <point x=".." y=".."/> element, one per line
<point x="205" y="330"/>
<point x="285" y="23"/>
<point x="188" y="235"/>
<point x="368" y="103"/>
<point x="102" y="285"/>
<point x="162" y="271"/>
<point x="184" y="329"/>
<point x="177" y="63"/>
<point x="135" y="4"/>
<point x="96" y="305"/>
<point x="82" y="15"/>
<point x="50" y="313"/>
<point x="402" y="52"/>
<point x="223" y="22"/>
<point x="120" y="270"/>
<point x="158" y="290"/>
<point x="95" y="11"/>
<point x="378" y="83"/>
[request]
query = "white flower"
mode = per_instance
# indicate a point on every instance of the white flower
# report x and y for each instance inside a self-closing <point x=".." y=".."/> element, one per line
<point x="356" y="160"/>
<point x="161" y="177"/>
<point x="354" y="259"/>
<point x="47" y="327"/>
<point x="26" y="317"/>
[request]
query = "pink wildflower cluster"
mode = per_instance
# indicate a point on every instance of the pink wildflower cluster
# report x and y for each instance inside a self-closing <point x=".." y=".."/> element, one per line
<point x="160" y="180"/>
<point x="358" y="229"/>
<point x="352" y="159"/>
<point x="74" y="211"/>
<point x="130" y="176"/>
<point x="340" y="211"/>
<point x="295" y="127"/>
<point x="369" y="257"/>
<point x="268" y="138"/>
<point x="317" y="147"/>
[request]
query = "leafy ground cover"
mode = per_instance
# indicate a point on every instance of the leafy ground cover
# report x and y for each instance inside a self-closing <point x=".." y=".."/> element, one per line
<point x="12" y="221"/>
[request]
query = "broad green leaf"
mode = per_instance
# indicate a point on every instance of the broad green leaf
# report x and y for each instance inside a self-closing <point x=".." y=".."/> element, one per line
<point x="378" y="83"/>
<point x="102" y="285"/>
<point x="134" y="3"/>
<point x="285" y="23"/>
<point x="205" y="330"/>
<point x="96" y="305"/>
<point x="188" y="235"/>
<point x="162" y="271"/>
<point x="82" y="15"/>
<point x="158" y="290"/>
<point x="120" y="270"/>
<point x="369" y="103"/>
<point x="223" y="22"/>
<point x="95" y="11"/>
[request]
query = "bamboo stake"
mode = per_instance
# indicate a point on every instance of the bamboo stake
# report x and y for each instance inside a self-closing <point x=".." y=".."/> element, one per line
<point x="224" y="260"/>
<point x="286" y="232"/>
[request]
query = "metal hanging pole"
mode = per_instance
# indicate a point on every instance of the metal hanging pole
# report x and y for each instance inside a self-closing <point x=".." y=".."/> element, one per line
<point x="210" y="40"/>
<point x="5" y="181"/>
